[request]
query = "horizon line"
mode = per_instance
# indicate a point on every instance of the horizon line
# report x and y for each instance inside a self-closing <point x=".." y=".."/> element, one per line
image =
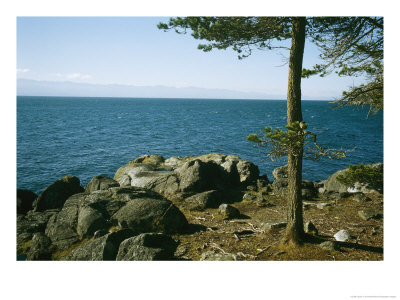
<point x="167" y="98"/>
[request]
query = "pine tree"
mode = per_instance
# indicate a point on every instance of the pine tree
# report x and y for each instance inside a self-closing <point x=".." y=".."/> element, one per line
<point x="350" y="45"/>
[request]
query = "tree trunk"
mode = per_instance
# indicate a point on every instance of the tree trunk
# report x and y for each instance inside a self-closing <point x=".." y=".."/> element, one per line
<point x="295" y="230"/>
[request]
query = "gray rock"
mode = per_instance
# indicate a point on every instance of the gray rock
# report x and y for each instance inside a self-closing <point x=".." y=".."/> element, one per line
<point x="89" y="221"/>
<point x="249" y="197"/>
<point x="228" y="211"/>
<point x="248" y="172"/>
<point x="280" y="172"/>
<point x="61" y="228"/>
<point x="102" y="248"/>
<point x="181" y="250"/>
<point x="213" y="256"/>
<point x="273" y="225"/>
<point x="34" y="221"/>
<point x="25" y="199"/>
<point x="23" y="238"/>
<point x="323" y="205"/>
<point x="190" y="174"/>
<point x="147" y="246"/>
<point x="129" y="207"/>
<point x="342" y="235"/>
<point x="100" y="182"/>
<point x="39" y="249"/>
<point x="150" y="215"/>
<point x="332" y="184"/>
<point x="31" y="223"/>
<point x="155" y="160"/>
<point x="360" y="197"/>
<point x="280" y="186"/>
<point x="310" y="228"/>
<point x="198" y="176"/>
<point x="329" y="245"/>
<point x="368" y="214"/>
<point x="55" y="195"/>
<point x="208" y="199"/>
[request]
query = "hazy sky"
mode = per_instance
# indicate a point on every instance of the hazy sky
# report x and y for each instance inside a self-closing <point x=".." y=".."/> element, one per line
<point x="133" y="51"/>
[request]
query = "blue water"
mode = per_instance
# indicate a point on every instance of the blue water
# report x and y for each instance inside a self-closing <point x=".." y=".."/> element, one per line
<point x="86" y="137"/>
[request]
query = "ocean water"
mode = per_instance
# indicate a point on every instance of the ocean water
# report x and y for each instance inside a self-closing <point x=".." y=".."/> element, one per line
<point x="85" y="137"/>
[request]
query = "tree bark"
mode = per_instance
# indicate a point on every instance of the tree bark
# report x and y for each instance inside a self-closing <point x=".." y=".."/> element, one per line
<point x="295" y="230"/>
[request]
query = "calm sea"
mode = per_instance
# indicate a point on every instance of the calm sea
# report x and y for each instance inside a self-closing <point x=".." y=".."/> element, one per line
<point x="85" y="137"/>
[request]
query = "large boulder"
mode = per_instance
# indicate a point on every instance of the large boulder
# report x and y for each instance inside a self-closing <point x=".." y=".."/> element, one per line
<point x="89" y="221"/>
<point x="228" y="211"/>
<point x="61" y="228"/>
<point x="147" y="246"/>
<point x="131" y="208"/>
<point x="100" y="182"/>
<point x="208" y="199"/>
<point x="102" y="248"/>
<point x="333" y="185"/>
<point x="198" y="176"/>
<point x="25" y="199"/>
<point x="150" y="215"/>
<point x="55" y="195"/>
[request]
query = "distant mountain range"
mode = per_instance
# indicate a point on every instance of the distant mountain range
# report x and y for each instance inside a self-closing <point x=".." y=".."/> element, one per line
<point x="28" y="87"/>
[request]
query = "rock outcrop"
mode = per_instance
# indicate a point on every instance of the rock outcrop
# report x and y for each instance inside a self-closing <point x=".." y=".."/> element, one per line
<point x="55" y="195"/>
<point x="189" y="175"/>
<point x="129" y="217"/>
<point x="133" y="208"/>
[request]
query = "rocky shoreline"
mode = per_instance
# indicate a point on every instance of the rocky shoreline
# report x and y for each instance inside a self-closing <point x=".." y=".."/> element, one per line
<point x="138" y="214"/>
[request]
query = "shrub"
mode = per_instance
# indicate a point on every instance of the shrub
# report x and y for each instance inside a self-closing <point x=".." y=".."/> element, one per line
<point x="370" y="174"/>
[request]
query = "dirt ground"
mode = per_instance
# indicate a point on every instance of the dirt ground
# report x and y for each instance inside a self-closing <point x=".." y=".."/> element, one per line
<point x="244" y="237"/>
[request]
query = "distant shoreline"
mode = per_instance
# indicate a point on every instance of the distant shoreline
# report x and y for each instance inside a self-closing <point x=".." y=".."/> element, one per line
<point x="29" y="87"/>
<point x="164" y="98"/>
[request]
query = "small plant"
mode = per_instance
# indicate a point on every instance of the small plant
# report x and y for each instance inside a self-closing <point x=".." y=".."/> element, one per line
<point x="371" y="175"/>
<point x="296" y="139"/>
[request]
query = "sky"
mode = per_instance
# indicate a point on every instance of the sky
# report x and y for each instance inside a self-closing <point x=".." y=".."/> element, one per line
<point x="133" y="51"/>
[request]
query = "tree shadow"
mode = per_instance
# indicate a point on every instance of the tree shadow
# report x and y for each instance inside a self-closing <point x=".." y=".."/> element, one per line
<point x="193" y="228"/>
<point x="320" y="239"/>
<point x="243" y="217"/>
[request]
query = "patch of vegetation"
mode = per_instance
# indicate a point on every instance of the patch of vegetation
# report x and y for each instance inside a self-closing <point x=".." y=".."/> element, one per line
<point x="371" y="175"/>
<point x="24" y="248"/>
